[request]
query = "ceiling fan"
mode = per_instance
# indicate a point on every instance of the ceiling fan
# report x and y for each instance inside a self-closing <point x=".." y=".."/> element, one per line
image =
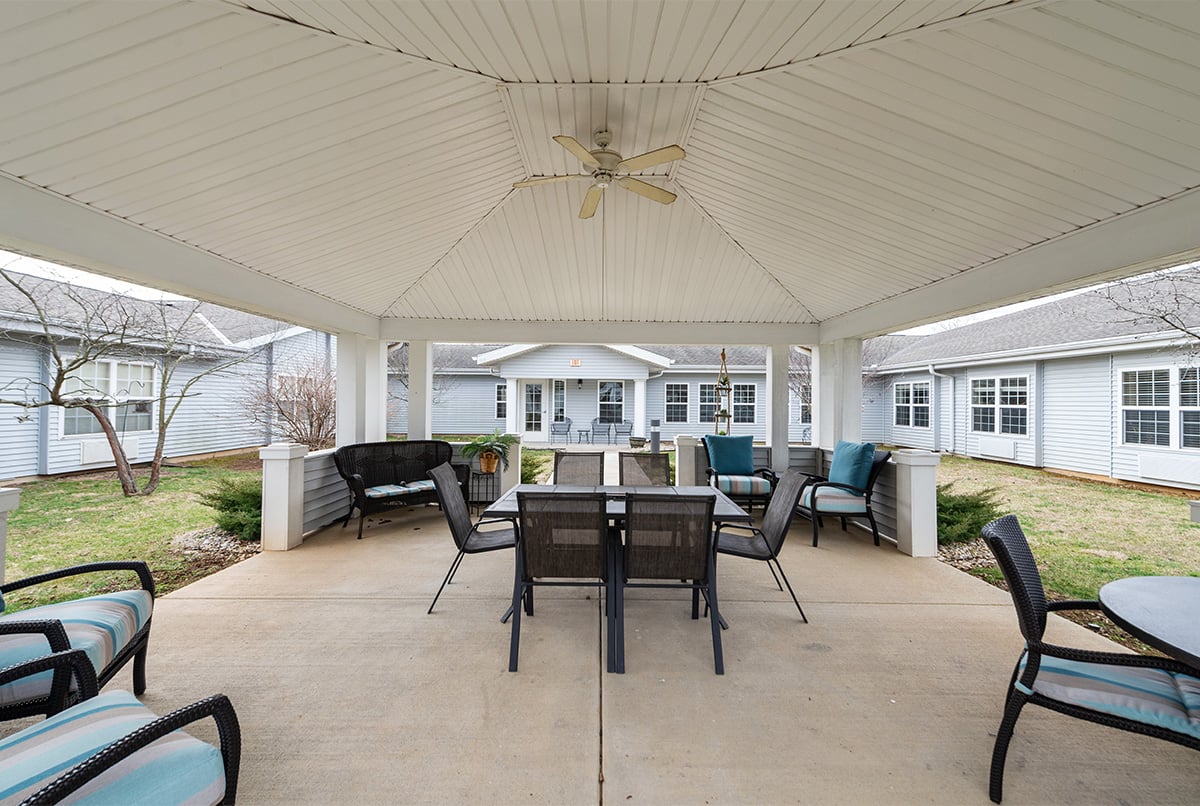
<point x="605" y="165"/>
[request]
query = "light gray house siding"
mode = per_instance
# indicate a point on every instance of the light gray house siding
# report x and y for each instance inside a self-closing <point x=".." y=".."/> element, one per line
<point x="1017" y="448"/>
<point x="1076" y="414"/>
<point x="656" y="404"/>
<point x="18" y="425"/>
<point x="595" y="362"/>
<point x="911" y="436"/>
<point x="1158" y="464"/>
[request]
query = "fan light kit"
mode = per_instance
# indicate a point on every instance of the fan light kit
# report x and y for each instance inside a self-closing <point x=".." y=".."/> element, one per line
<point x="606" y="165"/>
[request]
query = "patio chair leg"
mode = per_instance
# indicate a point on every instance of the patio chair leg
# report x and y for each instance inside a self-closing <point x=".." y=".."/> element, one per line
<point x="789" y="587"/>
<point x="874" y="526"/>
<point x="775" y="577"/>
<point x="715" y="622"/>
<point x="139" y="669"/>
<point x="696" y="602"/>
<point x="1012" y="710"/>
<point x="815" y="523"/>
<point x="361" y="517"/>
<point x="843" y="524"/>
<point x="446" y="581"/>
<point x="514" y="645"/>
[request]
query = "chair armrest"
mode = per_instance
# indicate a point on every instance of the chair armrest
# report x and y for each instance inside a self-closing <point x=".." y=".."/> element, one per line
<point x="839" y="485"/>
<point x="56" y="634"/>
<point x="65" y="664"/>
<point x="767" y="473"/>
<point x="216" y="706"/>
<point x="753" y="530"/>
<point x="462" y="472"/>
<point x="143" y="572"/>
<point x="1113" y="658"/>
<point x="1074" y="604"/>
<point x="357" y="486"/>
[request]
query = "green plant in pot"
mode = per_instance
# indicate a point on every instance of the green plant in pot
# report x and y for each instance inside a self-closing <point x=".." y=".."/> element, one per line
<point x="491" y="449"/>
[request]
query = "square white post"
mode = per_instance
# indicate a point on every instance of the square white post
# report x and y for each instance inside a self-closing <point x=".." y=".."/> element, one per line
<point x="361" y="389"/>
<point x="512" y="476"/>
<point x="777" y="405"/>
<point x="514" y="417"/>
<point x="686" y="471"/>
<point x="916" y="502"/>
<point x="420" y="389"/>
<point x="837" y="392"/>
<point x="10" y="497"/>
<point x="283" y="495"/>
<point x="639" y="408"/>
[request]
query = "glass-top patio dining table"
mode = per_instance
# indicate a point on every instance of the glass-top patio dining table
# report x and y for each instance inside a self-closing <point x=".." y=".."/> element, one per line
<point x="724" y="509"/>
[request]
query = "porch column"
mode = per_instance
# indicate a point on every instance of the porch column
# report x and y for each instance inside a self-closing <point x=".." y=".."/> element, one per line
<point x="10" y="497"/>
<point x="420" y="389"/>
<point x="639" y="407"/>
<point x="837" y="392"/>
<point x="361" y="389"/>
<point x="283" y="495"/>
<point x="510" y="409"/>
<point x="687" y="474"/>
<point x="777" y="405"/>
<point x="916" y="502"/>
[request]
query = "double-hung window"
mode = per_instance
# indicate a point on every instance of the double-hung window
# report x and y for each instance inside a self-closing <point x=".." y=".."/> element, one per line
<point x="911" y="403"/>
<point x="744" y="402"/>
<point x="708" y="402"/>
<point x="560" y="401"/>
<point x="1146" y="407"/>
<point x="612" y="401"/>
<point x="125" y="389"/>
<point x="501" y="401"/>
<point x="1000" y="405"/>
<point x="676" y="403"/>
<point x="1189" y="407"/>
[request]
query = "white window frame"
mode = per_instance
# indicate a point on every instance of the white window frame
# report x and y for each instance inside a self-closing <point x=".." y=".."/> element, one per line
<point x="501" y="401"/>
<point x="1189" y="384"/>
<point x="668" y="403"/>
<point x="741" y="406"/>
<point x="909" y="405"/>
<point x="999" y="406"/>
<point x="599" y="402"/>
<point x="558" y="395"/>
<point x="1162" y="411"/>
<point x="113" y="399"/>
<point x="708" y="408"/>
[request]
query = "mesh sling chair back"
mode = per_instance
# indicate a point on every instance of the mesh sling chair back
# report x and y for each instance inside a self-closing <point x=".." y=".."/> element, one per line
<point x="644" y="469"/>
<point x="731" y="470"/>
<point x="846" y="492"/>
<point x="112" y="628"/>
<point x="622" y="430"/>
<point x="1153" y="696"/>
<point x="585" y="469"/>
<point x="561" y="430"/>
<point x="468" y="537"/>
<point x="564" y="542"/>
<point x="669" y="537"/>
<point x="601" y="428"/>
<point x="764" y="543"/>
<point x="109" y="748"/>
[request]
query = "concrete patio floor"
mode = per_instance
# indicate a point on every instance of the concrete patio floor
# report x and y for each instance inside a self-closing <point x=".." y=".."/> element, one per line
<point x="349" y="693"/>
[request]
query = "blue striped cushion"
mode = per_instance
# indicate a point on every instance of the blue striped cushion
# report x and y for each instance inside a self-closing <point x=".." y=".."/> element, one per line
<point x="387" y="490"/>
<point x="175" y="769"/>
<point x="99" y="625"/>
<point x="425" y="485"/>
<point x="831" y="499"/>
<point x="1152" y="696"/>
<point x="743" y="485"/>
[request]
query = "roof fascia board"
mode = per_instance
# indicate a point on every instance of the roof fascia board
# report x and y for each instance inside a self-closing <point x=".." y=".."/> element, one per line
<point x="1099" y="347"/>
<point x="641" y="355"/>
<point x="43" y="224"/>
<point x="501" y="353"/>
<point x="259" y="341"/>
<point x="1155" y="236"/>
<point x="544" y="332"/>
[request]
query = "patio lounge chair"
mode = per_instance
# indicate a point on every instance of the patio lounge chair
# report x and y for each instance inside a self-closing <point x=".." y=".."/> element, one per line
<point x="652" y="469"/>
<point x="109" y="748"/>
<point x="586" y="469"/>
<point x="468" y="537"/>
<point x="561" y="430"/>
<point x="669" y="537"/>
<point x="1138" y="693"/>
<point x="601" y="428"/>
<point x="731" y="470"/>
<point x="563" y="542"/>
<point x="111" y="628"/>
<point x="766" y="542"/>
<point x="846" y="493"/>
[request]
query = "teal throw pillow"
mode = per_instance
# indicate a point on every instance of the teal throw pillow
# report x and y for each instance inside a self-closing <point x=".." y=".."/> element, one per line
<point x="852" y="463"/>
<point x="732" y="456"/>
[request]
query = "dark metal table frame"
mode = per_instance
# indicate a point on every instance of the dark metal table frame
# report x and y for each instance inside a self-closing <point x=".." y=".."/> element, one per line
<point x="1163" y="611"/>
<point x="724" y="510"/>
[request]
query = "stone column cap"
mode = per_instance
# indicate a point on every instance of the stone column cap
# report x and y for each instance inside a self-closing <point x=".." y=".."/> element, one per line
<point x="915" y="457"/>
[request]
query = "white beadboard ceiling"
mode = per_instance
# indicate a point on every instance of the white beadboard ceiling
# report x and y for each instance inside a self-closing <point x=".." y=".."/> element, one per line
<point x="851" y="164"/>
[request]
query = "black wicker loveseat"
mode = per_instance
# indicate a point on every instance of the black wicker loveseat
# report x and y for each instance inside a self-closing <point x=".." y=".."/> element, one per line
<point x="393" y="474"/>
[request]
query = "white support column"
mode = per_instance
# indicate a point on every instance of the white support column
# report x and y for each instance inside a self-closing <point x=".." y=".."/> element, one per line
<point x="420" y="389"/>
<point x="511" y="409"/>
<point x="837" y="392"/>
<point x="511" y="476"/>
<point x="361" y="389"/>
<point x="10" y="497"/>
<point x="639" y="407"/>
<point x="777" y="405"/>
<point x="916" y="502"/>
<point x="686" y="472"/>
<point x="283" y="495"/>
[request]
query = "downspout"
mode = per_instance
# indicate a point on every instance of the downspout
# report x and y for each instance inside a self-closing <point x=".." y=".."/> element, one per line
<point x="953" y="400"/>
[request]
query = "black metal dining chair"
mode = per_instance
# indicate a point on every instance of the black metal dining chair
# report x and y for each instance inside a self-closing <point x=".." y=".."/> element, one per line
<point x="586" y="469"/>
<point x="644" y="469"/>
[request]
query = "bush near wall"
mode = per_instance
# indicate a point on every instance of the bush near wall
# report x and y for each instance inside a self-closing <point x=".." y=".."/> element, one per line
<point x="962" y="516"/>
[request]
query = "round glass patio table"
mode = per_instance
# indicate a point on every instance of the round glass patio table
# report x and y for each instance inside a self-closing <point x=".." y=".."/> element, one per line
<point x="1162" y="611"/>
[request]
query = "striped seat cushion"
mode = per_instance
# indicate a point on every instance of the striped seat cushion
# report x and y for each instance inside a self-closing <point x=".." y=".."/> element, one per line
<point x="1151" y="696"/>
<point x="390" y="490"/>
<point x="743" y="485"/>
<point x="99" y="625"/>
<point x="831" y="499"/>
<point x="175" y="769"/>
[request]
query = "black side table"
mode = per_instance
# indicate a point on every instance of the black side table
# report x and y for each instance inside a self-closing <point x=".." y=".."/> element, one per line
<point x="484" y="488"/>
<point x="582" y="434"/>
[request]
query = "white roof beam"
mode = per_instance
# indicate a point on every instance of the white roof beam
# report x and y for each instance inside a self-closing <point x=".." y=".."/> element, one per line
<point x="396" y="329"/>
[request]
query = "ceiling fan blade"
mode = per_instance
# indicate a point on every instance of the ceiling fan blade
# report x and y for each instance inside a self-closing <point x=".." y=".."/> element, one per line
<point x="575" y="147"/>
<point x="591" y="201"/>
<point x="646" y="189"/>
<point x="546" y="180"/>
<point x="651" y="158"/>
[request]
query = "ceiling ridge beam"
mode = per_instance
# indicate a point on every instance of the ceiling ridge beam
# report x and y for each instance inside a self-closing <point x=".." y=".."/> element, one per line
<point x="683" y="191"/>
<point x="511" y="115"/>
<point x="423" y="60"/>
<point x="909" y="33"/>
<point x="689" y="125"/>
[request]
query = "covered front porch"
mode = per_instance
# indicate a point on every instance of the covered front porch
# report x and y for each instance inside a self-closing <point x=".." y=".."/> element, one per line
<point x="348" y="692"/>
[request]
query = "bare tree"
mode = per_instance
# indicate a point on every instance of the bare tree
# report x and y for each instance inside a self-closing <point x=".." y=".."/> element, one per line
<point x="76" y="328"/>
<point x="800" y="380"/>
<point x="443" y="384"/>
<point x="300" y="406"/>
<point x="1168" y="300"/>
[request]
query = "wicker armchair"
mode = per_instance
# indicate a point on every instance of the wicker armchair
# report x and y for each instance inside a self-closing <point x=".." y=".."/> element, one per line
<point x="586" y="469"/>
<point x="766" y="542"/>
<point x="842" y="494"/>
<point x="468" y="537"/>
<point x="109" y="748"/>
<point x="1148" y="695"/>
<point x="644" y="469"/>
<point x="112" y="628"/>
<point x="669" y="537"/>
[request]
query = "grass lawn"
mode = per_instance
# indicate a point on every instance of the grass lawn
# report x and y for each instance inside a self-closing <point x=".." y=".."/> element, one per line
<point x="69" y="521"/>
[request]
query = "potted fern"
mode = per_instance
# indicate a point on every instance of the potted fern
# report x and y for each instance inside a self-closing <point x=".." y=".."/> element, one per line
<point x="491" y="449"/>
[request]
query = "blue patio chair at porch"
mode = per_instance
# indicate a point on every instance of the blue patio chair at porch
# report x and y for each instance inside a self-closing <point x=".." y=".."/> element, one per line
<point x="731" y="470"/>
<point x="846" y="492"/>
<point x="601" y="428"/>
<point x="622" y="430"/>
<point x="561" y="430"/>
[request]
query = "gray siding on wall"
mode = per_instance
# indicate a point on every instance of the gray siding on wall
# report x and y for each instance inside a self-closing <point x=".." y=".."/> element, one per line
<point x="326" y="496"/>
<point x="19" y="365"/>
<point x="656" y="391"/>
<point x="1077" y="431"/>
